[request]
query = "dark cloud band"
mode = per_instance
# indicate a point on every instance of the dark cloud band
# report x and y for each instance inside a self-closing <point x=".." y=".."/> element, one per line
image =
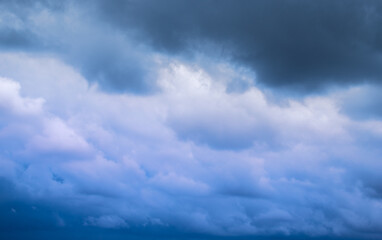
<point x="299" y="44"/>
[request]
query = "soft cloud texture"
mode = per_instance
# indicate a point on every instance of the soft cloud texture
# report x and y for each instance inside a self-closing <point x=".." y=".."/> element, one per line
<point x="104" y="55"/>
<point x="149" y="120"/>
<point x="192" y="158"/>
<point x="295" y="44"/>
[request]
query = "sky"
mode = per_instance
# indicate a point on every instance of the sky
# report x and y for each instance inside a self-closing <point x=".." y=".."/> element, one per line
<point x="175" y="119"/>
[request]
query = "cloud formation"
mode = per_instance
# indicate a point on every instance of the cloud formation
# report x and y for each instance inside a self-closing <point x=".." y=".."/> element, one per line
<point x="294" y="44"/>
<point x="148" y="120"/>
<point x="126" y="162"/>
<point x="103" y="54"/>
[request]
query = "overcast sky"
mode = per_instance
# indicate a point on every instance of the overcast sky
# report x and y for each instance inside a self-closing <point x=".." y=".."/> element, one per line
<point x="175" y="119"/>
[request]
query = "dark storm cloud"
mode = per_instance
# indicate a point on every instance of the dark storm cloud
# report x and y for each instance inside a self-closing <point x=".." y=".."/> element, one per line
<point x="299" y="44"/>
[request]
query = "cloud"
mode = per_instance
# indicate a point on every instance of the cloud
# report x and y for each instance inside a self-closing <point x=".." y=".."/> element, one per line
<point x="105" y="55"/>
<point x="298" y="45"/>
<point x="106" y="222"/>
<point x="57" y="136"/>
<point x="145" y="119"/>
<point x="12" y="102"/>
<point x="246" y="119"/>
<point x="361" y="102"/>
<point x="91" y="160"/>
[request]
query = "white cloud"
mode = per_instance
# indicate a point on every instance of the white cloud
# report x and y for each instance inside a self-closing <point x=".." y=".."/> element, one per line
<point x="11" y="101"/>
<point x="193" y="156"/>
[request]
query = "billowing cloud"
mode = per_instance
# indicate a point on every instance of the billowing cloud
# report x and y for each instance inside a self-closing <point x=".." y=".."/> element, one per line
<point x="191" y="159"/>
<point x="145" y="119"/>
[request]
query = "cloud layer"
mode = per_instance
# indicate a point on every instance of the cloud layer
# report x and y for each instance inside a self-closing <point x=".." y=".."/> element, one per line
<point x="294" y="44"/>
<point x="152" y="120"/>
<point x="192" y="158"/>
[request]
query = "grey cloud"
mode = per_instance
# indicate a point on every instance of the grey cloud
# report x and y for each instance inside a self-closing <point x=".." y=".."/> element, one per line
<point x="303" y="45"/>
<point x="298" y="45"/>
<point x="73" y="33"/>
<point x="362" y="102"/>
<point x="219" y="139"/>
<point x="12" y="39"/>
<point x="113" y="62"/>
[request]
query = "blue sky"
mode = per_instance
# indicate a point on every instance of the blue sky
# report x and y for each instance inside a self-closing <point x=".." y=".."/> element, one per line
<point x="192" y="120"/>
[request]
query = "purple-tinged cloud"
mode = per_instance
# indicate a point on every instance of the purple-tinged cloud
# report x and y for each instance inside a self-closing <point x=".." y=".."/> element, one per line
<point x="193" y="157"/>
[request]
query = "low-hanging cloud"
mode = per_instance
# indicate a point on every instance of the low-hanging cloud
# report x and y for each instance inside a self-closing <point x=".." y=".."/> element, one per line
<point x="295" y="45"/>
<point x="300" y="45"/>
